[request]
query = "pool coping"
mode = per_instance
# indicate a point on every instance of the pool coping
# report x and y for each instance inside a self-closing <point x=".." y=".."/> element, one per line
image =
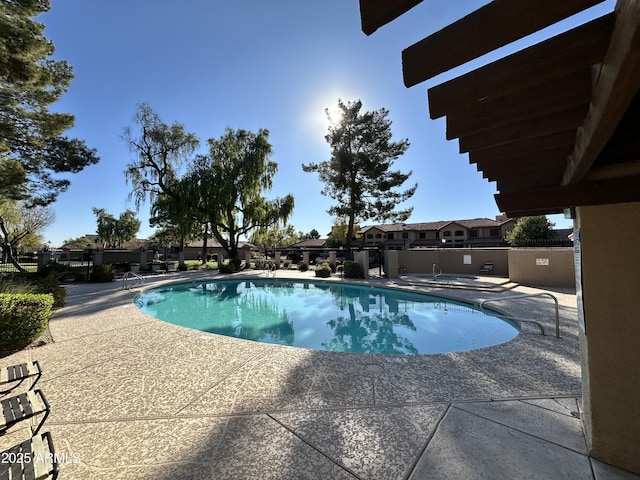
<point x="135" y="396"/>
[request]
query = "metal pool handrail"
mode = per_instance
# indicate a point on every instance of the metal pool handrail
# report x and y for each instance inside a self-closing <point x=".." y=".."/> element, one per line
<point x="127" y="275"/>
<point x="271" y="269"/>
<point x="436" y="275"/>
<point x="526" y="295"/>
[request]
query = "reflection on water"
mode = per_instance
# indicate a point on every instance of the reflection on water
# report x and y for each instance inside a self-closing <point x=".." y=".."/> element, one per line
<point x="326" y="315"/>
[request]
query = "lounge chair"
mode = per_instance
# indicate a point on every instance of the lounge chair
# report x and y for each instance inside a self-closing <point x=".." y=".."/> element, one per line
<point x="487" y="268"/>
<point x="22" y="407"/>
<point x="30" y="460"/>
<point x="19" y="373"/>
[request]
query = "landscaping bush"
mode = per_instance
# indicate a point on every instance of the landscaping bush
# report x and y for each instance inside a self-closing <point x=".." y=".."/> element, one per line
<point x="323" y="270"/>
<point x="58" y="269"/>
<point x="227" y="268"/>
<point x="351" y="269"/>
<point x="237" y="264"/>
<point x="103" y="273"/>
<point x="287" y="264"/>
<point x="209" y="266"/>
<point x="23" y="318"/>
<point x="303" y="267"/>
<point x="51" y="285"/>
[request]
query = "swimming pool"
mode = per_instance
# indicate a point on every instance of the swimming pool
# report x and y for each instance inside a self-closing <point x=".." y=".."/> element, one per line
<point x="327" y="316"/>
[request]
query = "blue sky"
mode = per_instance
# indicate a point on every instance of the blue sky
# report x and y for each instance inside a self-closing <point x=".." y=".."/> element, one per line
<point x="251" y="64"/>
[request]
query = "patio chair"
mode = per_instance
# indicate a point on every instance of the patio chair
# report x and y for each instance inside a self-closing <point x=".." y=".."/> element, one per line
<point x="22" y="407"/>
<point x="30" y="460"/>
<point x="487" y="268"/>
<point x="18" y="374"/>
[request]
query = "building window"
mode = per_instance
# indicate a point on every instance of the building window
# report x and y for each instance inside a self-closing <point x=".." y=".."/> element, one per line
<point x="423" y="235"/>
<point x="405" y="235"/>
<point x="473" y="233"/>
<point x="447" y="234"/>
<point x="494" y="232"/>
<point x="369" y="235"/>
<point x="390" y="236"/>
<point x="378" y="235"/>
<point x="459" y="233"/>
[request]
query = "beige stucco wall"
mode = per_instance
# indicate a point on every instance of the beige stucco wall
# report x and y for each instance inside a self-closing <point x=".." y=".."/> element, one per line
<point x="452" y="261"/>
<point x="611" y="345"/>
<point x="546" y="267"/>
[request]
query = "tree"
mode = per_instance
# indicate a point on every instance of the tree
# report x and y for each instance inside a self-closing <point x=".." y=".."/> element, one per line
<point x="266" y="239"/>
<point x="221" y="190"/>
<point x="358" y="174"/>
<point x="228" y="183"/>
<point x="78" y="243"/>
<point x="21" y="228"/>
<point x="115" y="232"/>
<point x="530" y="228"/>
<point x="160" y="150"/>
<point x="33" y="150"/>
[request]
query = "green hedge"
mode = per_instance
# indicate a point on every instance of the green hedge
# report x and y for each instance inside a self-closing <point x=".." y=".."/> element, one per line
<point x="323" y="270"/>
<point x="351" y="269"/>
<point x="23" y="318"/>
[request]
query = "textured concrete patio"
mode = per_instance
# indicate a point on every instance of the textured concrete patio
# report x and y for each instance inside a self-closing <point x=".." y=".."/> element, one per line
<point x="135" y="397"/>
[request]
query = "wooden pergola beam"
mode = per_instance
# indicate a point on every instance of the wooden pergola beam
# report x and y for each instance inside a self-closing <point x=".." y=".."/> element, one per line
<point x="565" y="137"/>
<point x="376" y="13"/>
<point x="568" y="52"/>
<point x="488" y="28"/>
<point x="554" y="199"/>
<point x="564" y="93"/>
<point x="616" y="87"/>
<point x="537" y="127"/>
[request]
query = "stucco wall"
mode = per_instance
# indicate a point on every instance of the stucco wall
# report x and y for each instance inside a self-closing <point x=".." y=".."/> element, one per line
<point x="610" y="276"/>
<point x="544" y="267"/>
<point x="552" y="267"/>
<point x="453" y="261"/>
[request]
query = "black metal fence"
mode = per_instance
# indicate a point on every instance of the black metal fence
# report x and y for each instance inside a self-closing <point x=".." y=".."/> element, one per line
<point x="28" y="262"/>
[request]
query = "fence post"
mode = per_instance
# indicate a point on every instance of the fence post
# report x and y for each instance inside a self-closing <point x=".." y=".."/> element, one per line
<point x="43" y="259"/>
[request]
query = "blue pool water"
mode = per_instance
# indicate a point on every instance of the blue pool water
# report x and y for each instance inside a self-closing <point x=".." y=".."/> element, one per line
<point x="327" y="316"/>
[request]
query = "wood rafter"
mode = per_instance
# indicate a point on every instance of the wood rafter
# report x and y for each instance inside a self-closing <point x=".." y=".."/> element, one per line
<point x="488" y="28"/>
<point x="376" y="13"/>
<point x="616" y="87"/>
<point x="568" y="52"/>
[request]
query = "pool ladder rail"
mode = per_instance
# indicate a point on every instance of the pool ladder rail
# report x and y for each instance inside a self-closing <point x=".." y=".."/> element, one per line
<point x="132" y="275"/>
<point x="271" y="271"/>
<point x="434" y="268"/>
<point x="525" y="295"/>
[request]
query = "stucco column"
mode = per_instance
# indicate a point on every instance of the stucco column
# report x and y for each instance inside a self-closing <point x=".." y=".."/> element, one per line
<point x="43" y="259"/>
<point x="608" y="270"/>
<point x="277" y="259"/>
<point x="247" y="259"/>
<point x="305" y="257"/>
<point x="96" y="256"/>
<point x="391" y="263"/>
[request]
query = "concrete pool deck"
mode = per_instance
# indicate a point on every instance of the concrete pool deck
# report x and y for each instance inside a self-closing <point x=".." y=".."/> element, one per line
<point x="135" y="397"/>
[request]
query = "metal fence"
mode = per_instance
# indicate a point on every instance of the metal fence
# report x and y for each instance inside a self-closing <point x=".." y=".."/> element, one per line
<point x="29" y="262"/>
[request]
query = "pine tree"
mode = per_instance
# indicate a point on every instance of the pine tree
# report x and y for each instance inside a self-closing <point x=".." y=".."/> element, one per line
<point x="358" y="174"/>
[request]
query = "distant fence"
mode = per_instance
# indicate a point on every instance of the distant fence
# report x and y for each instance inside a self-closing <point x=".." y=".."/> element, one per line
<point x="27" y="261"/>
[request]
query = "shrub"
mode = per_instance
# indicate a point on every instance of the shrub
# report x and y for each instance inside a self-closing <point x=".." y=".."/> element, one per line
<point x="237" y="264"/>
<point x="323" y="270"/>
<point x="227" y="268"/>
<point x="59" y="269"/>
<point x="23" y="318"/>
<point x="351" y="269"/>
<point x="287" y="264"/>
<point x="51" y="285"/>
<point x="208" y="266"/>
<point x="303" y="267"/>
<point x="103" y="273"/>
